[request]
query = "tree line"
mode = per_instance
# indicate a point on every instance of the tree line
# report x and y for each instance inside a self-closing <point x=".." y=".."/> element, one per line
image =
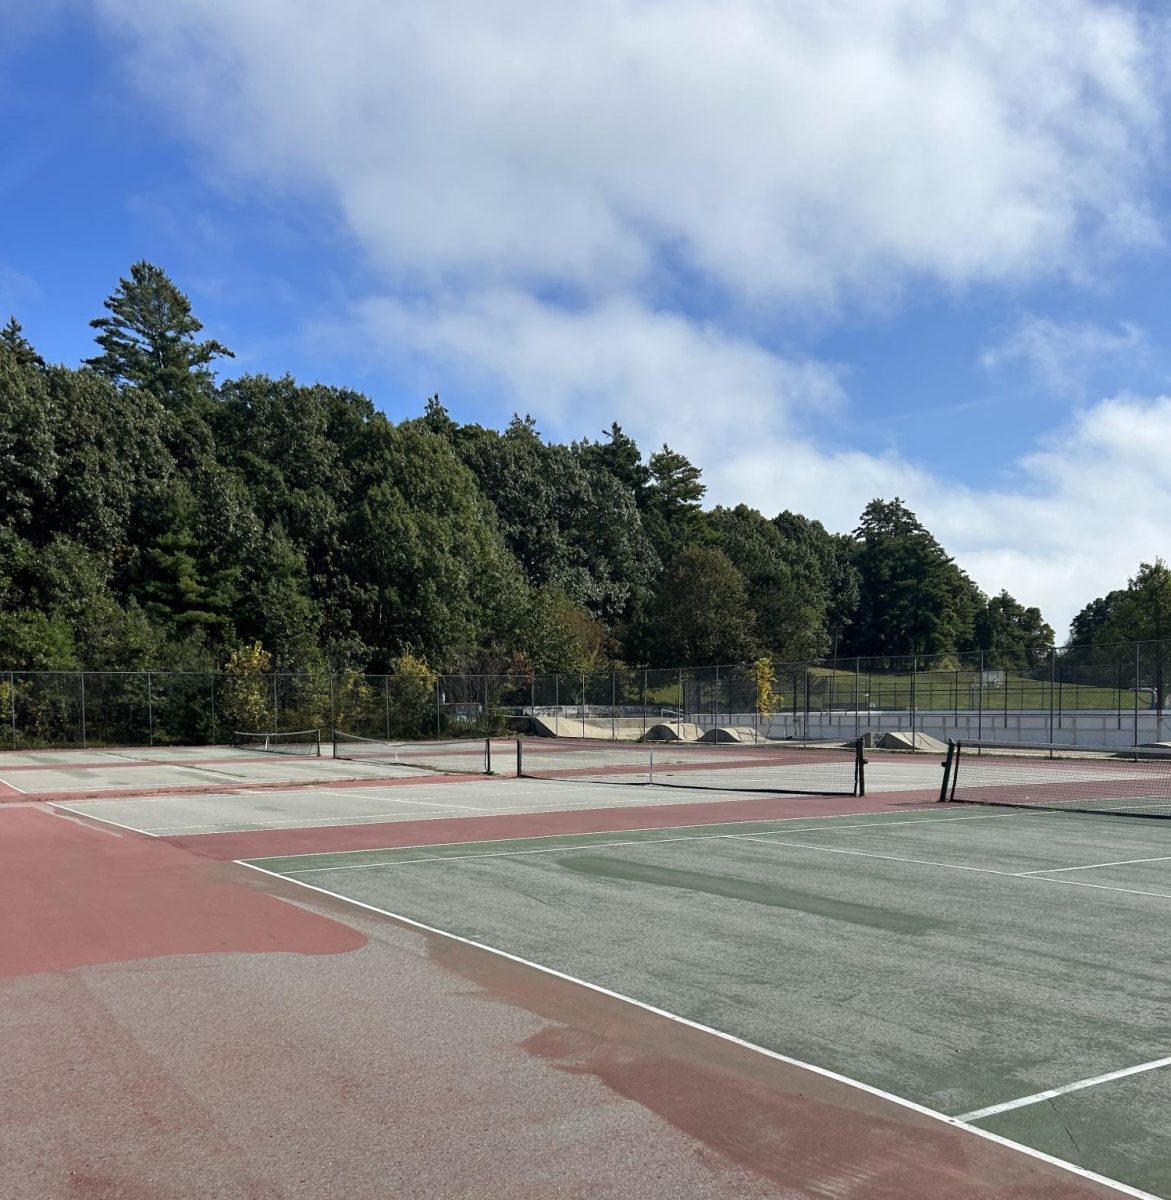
<point x="156" y="517"/>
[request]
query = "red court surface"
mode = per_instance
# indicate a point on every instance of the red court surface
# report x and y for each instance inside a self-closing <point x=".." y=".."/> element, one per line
<point x="72" y="896"/>
<point x="181" y="1028"/>
<point x="264" y="843"/>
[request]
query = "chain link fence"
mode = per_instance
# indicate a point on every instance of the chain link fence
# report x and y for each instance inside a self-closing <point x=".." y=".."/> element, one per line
<point x="1101" y="695"/>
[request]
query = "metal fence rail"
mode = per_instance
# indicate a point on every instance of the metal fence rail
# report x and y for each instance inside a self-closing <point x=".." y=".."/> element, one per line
<point x="1097" y="695"/>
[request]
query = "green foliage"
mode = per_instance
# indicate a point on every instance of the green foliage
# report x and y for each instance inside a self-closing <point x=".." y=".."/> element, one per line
<point x="563" y="637"/>
<point x="412" y="696"/>
<point x="912" y="596"/>
<point x="700" y="613"/>
<point x="153" y="517"/>
<point x="673" y="502"/>
<point x="790" y="619"/>
<point x="36" y="641"/>
<point x="28" y="455"/>
<point x="247" y="698"/>
<point x="148" y="340"/>
<point x="1012" y="635"/>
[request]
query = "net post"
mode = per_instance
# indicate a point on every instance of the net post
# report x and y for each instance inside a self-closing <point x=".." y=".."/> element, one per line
<point x="947" y="768"/>
<point x="859" y="769"/>
<point x="488" y="755"/>
<point x="520" y="759"/>
<point x="650" y="774"/>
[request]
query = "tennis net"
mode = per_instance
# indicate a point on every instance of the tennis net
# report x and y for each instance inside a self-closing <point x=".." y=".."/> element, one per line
<point x="295" y="741"/>
<point x="813" y="768"/>
<point x="471" y="756"/>
<point x="1133" y="782"/>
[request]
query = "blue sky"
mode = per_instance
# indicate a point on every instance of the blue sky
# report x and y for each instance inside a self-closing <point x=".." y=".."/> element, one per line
<point x="830" y="252"/>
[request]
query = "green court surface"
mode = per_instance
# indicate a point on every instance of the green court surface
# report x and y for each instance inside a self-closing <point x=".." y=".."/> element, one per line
<point x="959" y="960"/>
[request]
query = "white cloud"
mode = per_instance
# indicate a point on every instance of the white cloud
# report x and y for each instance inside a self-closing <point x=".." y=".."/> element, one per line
<point x="1073" y="521"/>
<point x="698" y="385"/>
<point x="780" y="151"/>
<point x="641" y="157"/>
<point x="1064" y="357"/>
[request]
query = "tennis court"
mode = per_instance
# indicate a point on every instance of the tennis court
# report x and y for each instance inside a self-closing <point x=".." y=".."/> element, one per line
<point x="997" y="972"/>
<point x="1007" y="969"/>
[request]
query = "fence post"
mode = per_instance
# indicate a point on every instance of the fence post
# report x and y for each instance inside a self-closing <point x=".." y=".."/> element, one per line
<point x="980" y="701"/>
<point x="644" y="705"/>
<point x="583" y="704"/>
<point x="613" y="706"/>
<point x="332" y="713"/>
<point x="150" y="709"/>
<point x="679" y="717"/>
<point x="914" y="698"/>
<point x="215" y="738"/>
<point x="716" y="721"/>
<point x="1137" y="668"/>
<point x="12" y="704"/>
<point x="857" y="699"/>
<point x="438" y="705"/>
<point x="557" y="703"/>
<point x="1052" y="685"/>
<point x="275" y="702"/>
<point x="81" y="675"/>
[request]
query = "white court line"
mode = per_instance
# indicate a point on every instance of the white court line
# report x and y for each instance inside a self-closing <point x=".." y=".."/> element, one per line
<point x="258" y="826"/>
<point x="1123" y="862"/>
<point x="445" y="858"/>
<point x="1122" y="1189"/>
<point x="103" y="820"/>
<point x="392" y="800"/>
<point x="1028" y="876"/>
<point x="1038" y="1097"/>
<point x="1101" y="887"/>
<point x="768" y="840"/>
<point x="13" y="787"/>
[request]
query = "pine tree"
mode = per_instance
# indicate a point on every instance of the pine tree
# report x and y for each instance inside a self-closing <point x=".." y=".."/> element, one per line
<point x="148" y="341"/>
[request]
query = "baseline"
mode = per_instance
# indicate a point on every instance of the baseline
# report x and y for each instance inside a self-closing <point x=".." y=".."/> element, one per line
<point x="58" y="809"/>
